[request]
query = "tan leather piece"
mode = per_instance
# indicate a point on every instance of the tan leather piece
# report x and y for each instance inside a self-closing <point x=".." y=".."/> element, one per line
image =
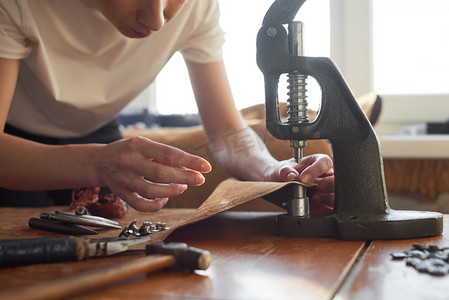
<point x="228" y="194"/>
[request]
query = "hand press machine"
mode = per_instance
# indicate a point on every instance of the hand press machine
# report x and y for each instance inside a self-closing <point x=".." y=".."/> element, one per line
<point x="361" y="209"/>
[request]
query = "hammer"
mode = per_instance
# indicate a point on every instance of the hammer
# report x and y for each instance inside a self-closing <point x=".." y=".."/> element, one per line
<point x="158" y="256"/>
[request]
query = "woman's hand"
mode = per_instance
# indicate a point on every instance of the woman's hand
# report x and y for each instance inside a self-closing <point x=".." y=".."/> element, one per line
<point x="145" y="173"/>
<point x="318" y="169"/>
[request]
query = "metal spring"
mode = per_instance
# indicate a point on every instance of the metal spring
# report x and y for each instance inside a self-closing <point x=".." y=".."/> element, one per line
<point x="297" y="101"/>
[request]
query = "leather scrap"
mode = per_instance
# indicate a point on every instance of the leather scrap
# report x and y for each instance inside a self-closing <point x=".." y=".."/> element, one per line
<point x="227" y="195"/>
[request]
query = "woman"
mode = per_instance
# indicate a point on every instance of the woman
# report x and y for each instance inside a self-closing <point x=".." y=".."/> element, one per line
<point x="68" y="67"/>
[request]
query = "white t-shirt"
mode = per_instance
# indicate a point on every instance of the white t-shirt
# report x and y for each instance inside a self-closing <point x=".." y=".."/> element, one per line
<point x="78" y="71"/>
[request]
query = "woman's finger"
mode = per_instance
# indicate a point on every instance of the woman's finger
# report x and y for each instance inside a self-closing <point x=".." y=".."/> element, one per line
<point x="168" y="155"/>
<point x="316" y="166"/>
<point x="160" y="173"/>
<point x="325" y="184"/>
<point x="322" y="203"/>
<point x="138" y="202"/>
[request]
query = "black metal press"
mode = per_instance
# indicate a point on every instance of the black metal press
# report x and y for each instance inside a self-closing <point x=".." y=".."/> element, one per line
<point x="361" y="210"/>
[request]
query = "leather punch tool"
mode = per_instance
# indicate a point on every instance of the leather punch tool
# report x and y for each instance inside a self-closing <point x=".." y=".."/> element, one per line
<point x="361" y="209"/>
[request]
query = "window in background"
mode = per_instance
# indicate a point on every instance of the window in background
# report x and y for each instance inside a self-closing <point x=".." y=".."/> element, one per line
<point x="241" y="20"/>
<point x="410" y="46"/>
<point x="398" y="49"/>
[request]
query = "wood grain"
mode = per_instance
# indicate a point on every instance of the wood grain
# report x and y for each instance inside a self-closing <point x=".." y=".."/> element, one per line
<point x="248" y="261"/>
<point x="377" y="276"/>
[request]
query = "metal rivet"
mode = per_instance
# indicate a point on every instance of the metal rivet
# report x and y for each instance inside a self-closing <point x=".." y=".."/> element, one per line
<point x="81" y="210"/>
<point x="125" y="232"/>
<point x="158" y="225"/>
<point x="145" y="228"/>
<point x="133" y="226"/>
<point x="433" y="248"/>
<point x="272" y="31"/>
<point x="426" y="258"/>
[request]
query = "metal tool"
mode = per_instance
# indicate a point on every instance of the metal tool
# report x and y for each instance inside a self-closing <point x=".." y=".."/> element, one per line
<point x="71" y="223"/>
<point x="59" y="227"/>
<point x="159" y="256"/>
<point x="17" y="252"/>
<point x="87" y="220"/>
<point x="361" y="208"/>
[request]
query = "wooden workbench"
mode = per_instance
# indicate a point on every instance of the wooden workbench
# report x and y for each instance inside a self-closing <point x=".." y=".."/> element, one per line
<point x="249" y="262"/>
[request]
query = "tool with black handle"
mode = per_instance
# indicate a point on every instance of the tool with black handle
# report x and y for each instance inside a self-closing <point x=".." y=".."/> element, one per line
<point x="158" y="256"/>
<point x="19" y="252"/>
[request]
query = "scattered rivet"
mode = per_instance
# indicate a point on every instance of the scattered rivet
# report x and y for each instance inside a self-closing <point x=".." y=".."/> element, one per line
<point x="81" y="210"/>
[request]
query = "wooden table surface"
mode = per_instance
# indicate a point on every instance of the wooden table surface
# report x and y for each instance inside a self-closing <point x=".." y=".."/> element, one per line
<point x="249" y="262"/>
<point x="377" y="276"/>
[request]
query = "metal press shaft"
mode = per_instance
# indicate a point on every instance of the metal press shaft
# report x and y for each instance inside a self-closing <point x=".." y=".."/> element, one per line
<point x="297" y="110"/>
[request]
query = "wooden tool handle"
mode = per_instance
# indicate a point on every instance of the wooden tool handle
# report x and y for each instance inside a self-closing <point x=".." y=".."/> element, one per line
<point x="83" y="282"/>
<point x="19" y="252"/>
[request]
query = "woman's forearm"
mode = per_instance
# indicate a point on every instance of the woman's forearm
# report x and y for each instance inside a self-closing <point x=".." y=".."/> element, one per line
<point x="243" y="155"/>
<point x="27" y="165"/>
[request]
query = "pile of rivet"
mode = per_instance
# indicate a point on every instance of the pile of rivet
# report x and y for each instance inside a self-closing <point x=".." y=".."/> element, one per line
<point x="426" y="258"/>
<point x="147" y="228"/>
